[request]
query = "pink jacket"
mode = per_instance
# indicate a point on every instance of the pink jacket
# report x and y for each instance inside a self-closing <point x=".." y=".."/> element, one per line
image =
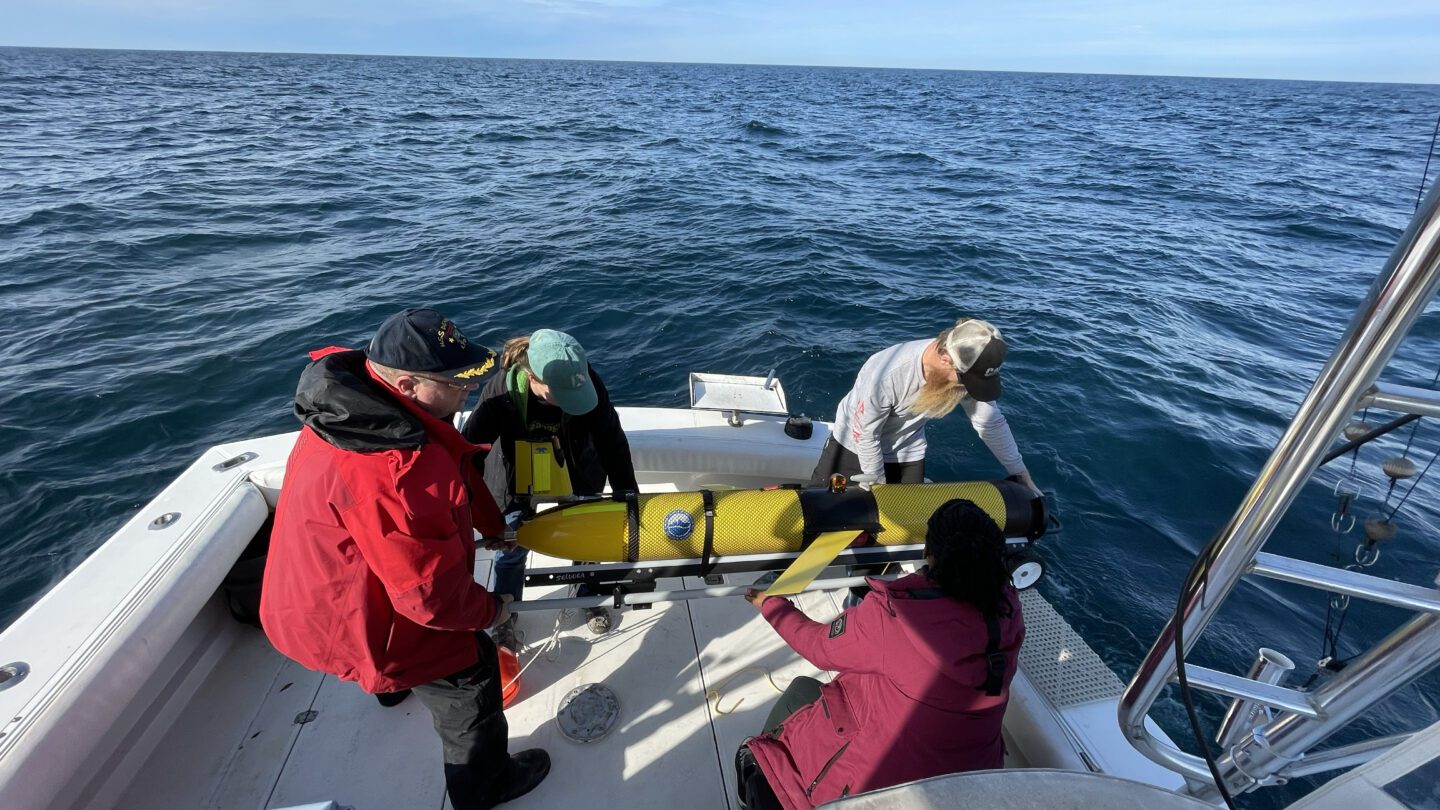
<point x="907" y="703"/>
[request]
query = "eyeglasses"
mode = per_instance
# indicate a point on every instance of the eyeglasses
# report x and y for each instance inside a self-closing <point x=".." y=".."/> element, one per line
<point x="469" y="386"/>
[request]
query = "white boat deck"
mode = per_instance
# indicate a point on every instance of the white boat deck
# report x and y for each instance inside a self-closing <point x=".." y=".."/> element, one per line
<point x="238" y="744"/>
<point x="157" y="698"/>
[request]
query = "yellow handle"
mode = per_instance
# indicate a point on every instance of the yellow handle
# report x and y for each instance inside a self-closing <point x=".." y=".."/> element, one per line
<point x="540" y="468"/>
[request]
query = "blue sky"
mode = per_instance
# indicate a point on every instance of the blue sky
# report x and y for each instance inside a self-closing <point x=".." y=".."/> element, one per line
<point x="1355" y="40"/>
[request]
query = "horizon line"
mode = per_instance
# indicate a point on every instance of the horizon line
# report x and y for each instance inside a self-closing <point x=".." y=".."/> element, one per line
<point x="715" y="64"/>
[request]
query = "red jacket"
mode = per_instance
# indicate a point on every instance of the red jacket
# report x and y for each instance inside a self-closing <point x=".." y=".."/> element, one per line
<point x="907" y="703"/>
<point x="370" y="575"/>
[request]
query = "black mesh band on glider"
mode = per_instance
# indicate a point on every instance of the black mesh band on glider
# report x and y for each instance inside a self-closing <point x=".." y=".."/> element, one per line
<point x="632" y="520"/>
<point x="708" y="499"/>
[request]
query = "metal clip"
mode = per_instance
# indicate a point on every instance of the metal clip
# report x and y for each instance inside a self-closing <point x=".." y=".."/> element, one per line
<point x="1346" y="492"/>
<point x="1366" y="555"/>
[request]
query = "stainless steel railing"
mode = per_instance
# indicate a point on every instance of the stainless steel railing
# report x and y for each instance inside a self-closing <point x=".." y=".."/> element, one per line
<point x="1278" y="747"/>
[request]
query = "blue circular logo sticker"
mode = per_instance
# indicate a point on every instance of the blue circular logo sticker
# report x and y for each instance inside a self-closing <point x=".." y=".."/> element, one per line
<point x="679" y="525"/>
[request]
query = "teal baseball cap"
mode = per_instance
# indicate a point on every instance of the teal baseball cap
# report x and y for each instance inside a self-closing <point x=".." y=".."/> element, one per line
<point x="559" y="361"/>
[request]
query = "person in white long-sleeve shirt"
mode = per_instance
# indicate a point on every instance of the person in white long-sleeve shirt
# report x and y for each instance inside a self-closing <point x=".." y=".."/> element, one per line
<point x="879" y="428"/>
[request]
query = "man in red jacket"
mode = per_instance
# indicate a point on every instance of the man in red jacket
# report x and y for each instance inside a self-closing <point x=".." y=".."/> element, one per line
<point x="370" y="575"/>
<point x="924" y="666"/>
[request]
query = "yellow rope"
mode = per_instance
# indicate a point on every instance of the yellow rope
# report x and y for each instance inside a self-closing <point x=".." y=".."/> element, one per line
<point x="713" y="693"/>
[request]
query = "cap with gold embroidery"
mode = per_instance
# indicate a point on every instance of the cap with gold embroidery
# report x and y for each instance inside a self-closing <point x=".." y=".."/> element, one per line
<point x="423" y="340"/>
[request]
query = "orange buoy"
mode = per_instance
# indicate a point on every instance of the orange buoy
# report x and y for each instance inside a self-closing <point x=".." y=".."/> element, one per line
<point x="509" y="676"/>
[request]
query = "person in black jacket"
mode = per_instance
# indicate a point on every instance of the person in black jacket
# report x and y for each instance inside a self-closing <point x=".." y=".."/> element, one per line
<point x="549" y="397"/>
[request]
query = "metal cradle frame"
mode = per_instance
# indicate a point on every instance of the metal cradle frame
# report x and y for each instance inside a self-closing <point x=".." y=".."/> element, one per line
<point x="1279" y="748"/>
<point x="633" y="584"/>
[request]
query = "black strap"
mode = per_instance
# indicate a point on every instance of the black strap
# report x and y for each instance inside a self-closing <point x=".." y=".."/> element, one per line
<point x="821" y="510"/>
<point x="994" y="659"/>
<point x="708" y="499"/>
<point x="632" y="519"/>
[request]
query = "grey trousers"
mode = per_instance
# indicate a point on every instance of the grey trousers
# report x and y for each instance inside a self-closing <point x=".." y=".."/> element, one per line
<point x="470" y="720"/>
<point x="801" y="692"/>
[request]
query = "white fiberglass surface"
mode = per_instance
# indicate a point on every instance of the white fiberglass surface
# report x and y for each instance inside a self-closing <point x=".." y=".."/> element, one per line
<point x="240" y="744"/>
<point x="693" y="680"/>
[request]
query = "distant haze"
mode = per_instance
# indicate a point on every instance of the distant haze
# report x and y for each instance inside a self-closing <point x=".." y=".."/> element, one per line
<point x="1338" y="40"/>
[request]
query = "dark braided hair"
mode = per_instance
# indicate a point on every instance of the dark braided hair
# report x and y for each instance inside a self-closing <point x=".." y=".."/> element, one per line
<point x="966" y="547"/>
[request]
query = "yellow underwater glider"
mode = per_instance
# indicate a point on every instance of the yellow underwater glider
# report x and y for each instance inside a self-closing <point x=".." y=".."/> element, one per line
<point x="708" y="524"/>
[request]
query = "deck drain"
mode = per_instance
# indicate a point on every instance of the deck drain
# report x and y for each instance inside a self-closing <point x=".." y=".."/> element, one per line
<point x="588" y="713"/>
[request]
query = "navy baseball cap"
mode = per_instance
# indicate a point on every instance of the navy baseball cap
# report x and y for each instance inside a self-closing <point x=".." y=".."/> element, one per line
<point x="422" y="340"/>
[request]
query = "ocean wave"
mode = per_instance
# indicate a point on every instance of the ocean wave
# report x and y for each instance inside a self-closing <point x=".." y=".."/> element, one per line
<point x="501" y="137"/>
<point x="911" y="158"/>
<point x="74" y="214"/>
<point x="757" y="127"/>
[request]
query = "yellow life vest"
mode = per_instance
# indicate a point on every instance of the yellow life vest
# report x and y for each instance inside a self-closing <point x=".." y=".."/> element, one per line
<point x="540" y="468"/>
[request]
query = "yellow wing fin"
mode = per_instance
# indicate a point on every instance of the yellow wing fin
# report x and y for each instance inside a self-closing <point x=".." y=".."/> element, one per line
<point x="811" y="562"/>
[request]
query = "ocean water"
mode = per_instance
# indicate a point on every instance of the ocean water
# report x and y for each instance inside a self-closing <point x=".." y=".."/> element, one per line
<point x="1171" y="260"/>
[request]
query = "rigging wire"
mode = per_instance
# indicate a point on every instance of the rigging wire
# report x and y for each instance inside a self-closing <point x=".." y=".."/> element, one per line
<point x="1195" y="582"/>
<point x="1419" y="197"/>
<point x="1337" y="606"/>
<point x="1425" y="175"/>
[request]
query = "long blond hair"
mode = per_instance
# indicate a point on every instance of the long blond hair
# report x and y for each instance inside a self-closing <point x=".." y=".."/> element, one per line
<point x="937" y="398"/>
<point x="516" y="353"/>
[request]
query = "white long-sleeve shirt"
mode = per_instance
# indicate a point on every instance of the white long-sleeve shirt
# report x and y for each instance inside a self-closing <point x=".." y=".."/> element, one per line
<point x="876" y="422"/>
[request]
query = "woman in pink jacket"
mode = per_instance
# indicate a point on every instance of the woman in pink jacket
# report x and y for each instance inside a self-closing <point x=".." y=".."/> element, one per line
<point x="924" y="666"/>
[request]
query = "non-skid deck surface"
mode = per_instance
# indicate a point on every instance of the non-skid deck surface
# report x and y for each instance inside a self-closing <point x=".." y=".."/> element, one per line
<point x="239" y="744"/>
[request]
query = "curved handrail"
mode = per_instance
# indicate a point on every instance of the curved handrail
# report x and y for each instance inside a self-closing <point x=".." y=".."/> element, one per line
<point x="1400" y="293"/>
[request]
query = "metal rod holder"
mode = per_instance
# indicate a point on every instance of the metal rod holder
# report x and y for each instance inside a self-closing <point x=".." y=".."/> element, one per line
<point x="1242" y="716"/>
<point x="1404" y="655"/>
